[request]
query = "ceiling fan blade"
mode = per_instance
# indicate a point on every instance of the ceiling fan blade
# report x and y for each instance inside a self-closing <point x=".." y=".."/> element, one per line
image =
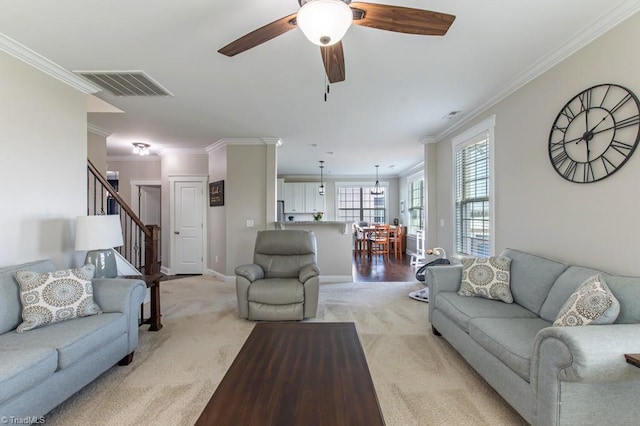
<point x="259" y="36"/>
<point x="403" y="19"/>
<point x="333" y="58"/>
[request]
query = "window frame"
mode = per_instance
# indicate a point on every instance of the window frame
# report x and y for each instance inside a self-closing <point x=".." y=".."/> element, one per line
<point x="367" y="185"/>
<point x="477" y="133"/>
<point x="417" y="177"/>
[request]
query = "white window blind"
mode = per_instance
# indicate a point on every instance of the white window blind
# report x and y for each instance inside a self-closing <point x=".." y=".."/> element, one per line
<point x="473" y="194"/>
<point x="416" y="205"/>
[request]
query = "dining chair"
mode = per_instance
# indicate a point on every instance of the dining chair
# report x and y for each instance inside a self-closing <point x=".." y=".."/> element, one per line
<point x="360" y="241"/>
<point x="396" y="236"/>
<point x="379" y="240"/>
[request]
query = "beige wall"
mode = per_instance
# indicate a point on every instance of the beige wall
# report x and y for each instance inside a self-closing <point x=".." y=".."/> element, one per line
<point x="536" y="210"/>
<point x="245" y="198"/>
<point x="97" y="151"/>
<point x="147" y="169"/>
<point x="43" y="136"/>
<point x="217" y="215"/>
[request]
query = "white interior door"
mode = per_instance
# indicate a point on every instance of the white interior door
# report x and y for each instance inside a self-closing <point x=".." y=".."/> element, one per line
<point x="188" y="228"/>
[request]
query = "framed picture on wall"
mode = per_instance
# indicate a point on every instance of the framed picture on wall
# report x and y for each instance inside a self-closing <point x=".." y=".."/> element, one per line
<point x="216" y="193"/>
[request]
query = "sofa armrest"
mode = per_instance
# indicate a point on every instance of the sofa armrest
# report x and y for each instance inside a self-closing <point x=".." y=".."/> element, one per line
<point x="593" y="353"/>
<point x="442" y="279"/>
<point x="251" y="272"/>
<point x="121" y="295"/>
<point x="309" y="270"/>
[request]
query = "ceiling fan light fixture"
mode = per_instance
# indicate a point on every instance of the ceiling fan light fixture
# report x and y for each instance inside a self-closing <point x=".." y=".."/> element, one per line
<point x="324" y="22"/>
<point x="140" y="148"/>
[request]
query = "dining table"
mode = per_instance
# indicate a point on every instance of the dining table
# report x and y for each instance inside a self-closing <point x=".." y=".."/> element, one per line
<point x="366" y="229"/>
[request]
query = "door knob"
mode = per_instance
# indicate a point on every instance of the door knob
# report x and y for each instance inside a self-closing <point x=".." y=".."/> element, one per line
<point x="176" y="232"/>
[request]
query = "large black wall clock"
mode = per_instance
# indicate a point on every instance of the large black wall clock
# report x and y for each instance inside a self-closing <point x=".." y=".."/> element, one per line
<point x="595" y="133"/>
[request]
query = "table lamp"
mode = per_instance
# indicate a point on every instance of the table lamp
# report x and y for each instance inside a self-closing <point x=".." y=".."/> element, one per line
<point x="99" y="234"/>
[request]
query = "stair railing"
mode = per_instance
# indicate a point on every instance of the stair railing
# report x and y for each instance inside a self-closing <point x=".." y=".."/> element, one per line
<point x="141" y="245"/>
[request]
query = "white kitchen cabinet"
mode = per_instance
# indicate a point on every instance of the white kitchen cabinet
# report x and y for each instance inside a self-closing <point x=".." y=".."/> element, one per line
<point x="314" y="202"/>
<point x="302" y="197"/>
<point x="294" y="198"/>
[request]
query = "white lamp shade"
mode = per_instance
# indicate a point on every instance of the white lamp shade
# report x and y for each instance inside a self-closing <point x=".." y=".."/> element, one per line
<point x="98" y="232"/>
<point x="324" y="22"/>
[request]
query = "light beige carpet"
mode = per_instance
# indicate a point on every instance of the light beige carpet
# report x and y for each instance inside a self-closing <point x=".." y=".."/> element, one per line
<point x="419" y="378"/>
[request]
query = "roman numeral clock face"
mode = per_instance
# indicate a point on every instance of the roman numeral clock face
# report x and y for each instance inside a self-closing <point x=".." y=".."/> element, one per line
<point x="595" y="133"/>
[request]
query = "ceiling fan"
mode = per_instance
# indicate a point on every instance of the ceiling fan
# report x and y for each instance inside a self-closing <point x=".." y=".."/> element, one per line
<point x="324" y="22"/>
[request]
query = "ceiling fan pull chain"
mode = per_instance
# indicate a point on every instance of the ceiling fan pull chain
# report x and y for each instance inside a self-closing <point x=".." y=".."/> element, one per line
<point x="326" y="91"/>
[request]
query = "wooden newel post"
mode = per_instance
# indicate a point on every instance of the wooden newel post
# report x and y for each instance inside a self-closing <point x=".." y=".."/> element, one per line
<point x="151" y="261"/>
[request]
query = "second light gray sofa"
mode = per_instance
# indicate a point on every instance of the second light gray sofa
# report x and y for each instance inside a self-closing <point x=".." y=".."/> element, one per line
<point x="551" y="375"/>
<point x="41" y="368"/>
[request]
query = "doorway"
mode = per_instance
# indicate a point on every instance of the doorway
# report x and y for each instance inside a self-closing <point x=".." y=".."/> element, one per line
<point x="187" y="224"/>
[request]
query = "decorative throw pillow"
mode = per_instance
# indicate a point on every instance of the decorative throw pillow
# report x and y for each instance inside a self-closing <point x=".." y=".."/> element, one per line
<point x="591" y="303"/>
<point x="55" y="296"/>
<point x="488" y="278"/>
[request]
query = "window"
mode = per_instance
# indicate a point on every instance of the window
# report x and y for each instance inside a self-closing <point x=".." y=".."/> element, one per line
<point x="416" y="205"/>
<point x="356" y="204"/>
<point x="473" y="191"/>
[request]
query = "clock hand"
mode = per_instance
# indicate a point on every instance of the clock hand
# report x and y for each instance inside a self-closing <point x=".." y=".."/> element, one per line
<point x="599" y="123"/>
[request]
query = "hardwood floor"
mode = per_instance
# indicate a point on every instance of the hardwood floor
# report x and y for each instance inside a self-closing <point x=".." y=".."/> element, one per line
<point x="379" y="269"/>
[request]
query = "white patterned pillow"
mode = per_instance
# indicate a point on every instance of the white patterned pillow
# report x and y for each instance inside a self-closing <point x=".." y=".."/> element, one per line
<point x="488" y="278"/>
<point x="591" y="303"/>
<point x="55" y="296"/>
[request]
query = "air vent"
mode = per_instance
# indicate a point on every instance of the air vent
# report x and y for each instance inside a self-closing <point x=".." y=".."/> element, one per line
<point x="125" y="83"/>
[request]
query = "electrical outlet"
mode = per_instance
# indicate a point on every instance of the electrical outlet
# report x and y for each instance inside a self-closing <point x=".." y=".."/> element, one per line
<point x="216" y="259"/>
<point x="249" y="223"/>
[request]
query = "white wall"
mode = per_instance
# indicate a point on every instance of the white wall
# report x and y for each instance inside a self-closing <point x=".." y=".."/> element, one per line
<point x="536" y="210"/>
<point x="43" y="166"/>
<point x="217" y="216"/>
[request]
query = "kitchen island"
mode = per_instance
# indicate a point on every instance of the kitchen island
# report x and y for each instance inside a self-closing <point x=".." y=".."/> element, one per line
<point x="335" y="247"/>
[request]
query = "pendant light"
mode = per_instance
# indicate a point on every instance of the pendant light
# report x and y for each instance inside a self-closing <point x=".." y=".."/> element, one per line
<point x="377" y="190"/>
<point x="321" y="187"/>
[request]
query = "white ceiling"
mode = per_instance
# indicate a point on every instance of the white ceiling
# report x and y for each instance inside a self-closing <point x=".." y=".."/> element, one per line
<point x="398" y="87"/>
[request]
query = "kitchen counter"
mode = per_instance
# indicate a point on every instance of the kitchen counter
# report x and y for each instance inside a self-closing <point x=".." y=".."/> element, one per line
<point x="335" y="249"/>
<point x="342" y="226"/>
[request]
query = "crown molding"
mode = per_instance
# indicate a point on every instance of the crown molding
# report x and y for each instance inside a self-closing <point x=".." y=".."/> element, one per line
<point x="43" y="64"/>
<point x="189" y="151"/>
<point x="582" y="38"/>
<point x="133" y="158"/>
<point x="98" y="130"/>
<point x="427" y="140"/>
<point x="413" y="170"/>
<point x="220" y="143"/>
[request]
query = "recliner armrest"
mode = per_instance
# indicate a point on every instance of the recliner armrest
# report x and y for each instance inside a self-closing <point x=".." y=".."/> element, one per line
<point x="251" y="272"/>
<point x="309" y="270"/>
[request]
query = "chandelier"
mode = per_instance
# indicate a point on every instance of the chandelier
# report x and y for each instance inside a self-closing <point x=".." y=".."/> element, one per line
<point x="377" y="189"/>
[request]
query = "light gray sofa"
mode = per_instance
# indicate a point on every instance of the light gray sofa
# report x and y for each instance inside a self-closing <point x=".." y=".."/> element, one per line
<point x="551" y="375"/>
<point x="282" y="283"/>
<point x="41" y="368"/>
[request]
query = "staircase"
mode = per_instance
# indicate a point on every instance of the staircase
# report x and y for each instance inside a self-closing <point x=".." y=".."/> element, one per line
<point x="141" y="248"/>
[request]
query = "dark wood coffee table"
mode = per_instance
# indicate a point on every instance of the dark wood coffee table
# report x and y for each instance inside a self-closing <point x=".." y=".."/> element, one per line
<point x="297" y="374"/>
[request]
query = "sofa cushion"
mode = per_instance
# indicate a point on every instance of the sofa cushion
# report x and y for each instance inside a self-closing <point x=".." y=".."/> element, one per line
<point x="461" y="309"/>
<point x="10" y="306"/>
<point x="276" y="291"/>
<point x="49" y="297"/>
<point x="21" y="369"/>
<point x="74" y="339"/>
<point x="531" y="278"/>
<point x="488" y="278"/>
<point x="591" y="303"/>
<point x="508" y="339"/>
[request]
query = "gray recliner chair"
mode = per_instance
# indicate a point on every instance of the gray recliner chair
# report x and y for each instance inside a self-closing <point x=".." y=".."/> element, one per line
<point x="282" y="283"/>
